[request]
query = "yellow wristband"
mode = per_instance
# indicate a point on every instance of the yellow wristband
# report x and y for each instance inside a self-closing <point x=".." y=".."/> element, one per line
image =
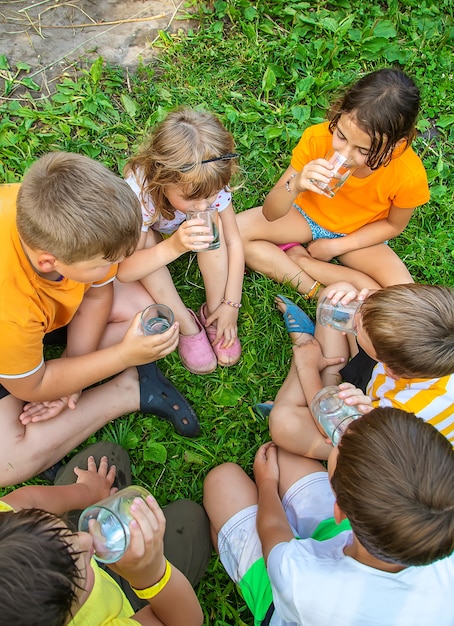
<point x="151" y="592"/>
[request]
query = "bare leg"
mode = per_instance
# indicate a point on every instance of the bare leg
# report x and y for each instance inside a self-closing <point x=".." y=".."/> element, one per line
<point x="260" y="239"/>
<point x="213" y="266"/>
<point x="227" y="488"/>
<point x="291" y="424"/>
<point x="160" y="286"/>
<point x="28" y="450"/>
<point x="129" y="299"/>
<point x="380" y="263"/>
<point x="292" y="467"/>
<point x="327" y="273"/>
<point x="226" y="491"/>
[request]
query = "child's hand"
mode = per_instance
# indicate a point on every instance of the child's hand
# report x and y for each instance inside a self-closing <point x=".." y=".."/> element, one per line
<point x="137" y="349"/>
<point x="353" y="396"/>
<point x="225" y="318"/>
<point x="143" y="563"/>
<point x="347" y="295"/>
<point x="265" y="465"/>
<point x="192" y="236"/>
<point x="99" y="480"/>
<point x="41" y="411"/>
<point x="318" y="169"/>
<point x="309" y="356"/>
<point x="324" y="249"/>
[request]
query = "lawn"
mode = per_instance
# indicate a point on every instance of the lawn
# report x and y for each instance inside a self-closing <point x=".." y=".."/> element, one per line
<point x="268" y="70"/>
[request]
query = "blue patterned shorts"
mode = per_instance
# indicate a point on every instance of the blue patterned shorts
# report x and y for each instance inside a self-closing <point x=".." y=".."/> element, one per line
<point x="318" y="232"/>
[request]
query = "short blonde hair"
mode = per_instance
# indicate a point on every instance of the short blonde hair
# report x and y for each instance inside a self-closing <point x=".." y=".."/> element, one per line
<point x="411" y="328"/>
<point x="173" y="155"/>
<point x="76" y="209"/>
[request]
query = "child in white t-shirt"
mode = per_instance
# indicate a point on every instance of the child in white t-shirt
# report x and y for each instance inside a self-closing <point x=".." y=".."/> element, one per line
<point x="368" y="542"/>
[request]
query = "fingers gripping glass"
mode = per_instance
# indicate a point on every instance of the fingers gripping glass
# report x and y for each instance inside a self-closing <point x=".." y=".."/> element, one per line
<point x="187" y="167"/>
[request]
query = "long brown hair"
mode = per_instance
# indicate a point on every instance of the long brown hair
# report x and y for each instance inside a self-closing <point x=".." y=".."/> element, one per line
<point x="385" y="104"/>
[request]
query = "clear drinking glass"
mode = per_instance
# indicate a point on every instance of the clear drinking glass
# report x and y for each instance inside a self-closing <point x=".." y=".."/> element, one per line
<point x="211" y="219"/>
<point x="156" y="319"/>
<point x="332" y="413"/>
<point x="338" y="316"/>
<point x="108" y="522"/>
<point x="342" y="168"/>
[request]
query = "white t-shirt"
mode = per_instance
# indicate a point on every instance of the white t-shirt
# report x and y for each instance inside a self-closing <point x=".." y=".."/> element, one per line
<point x="162" y="225"/>
<point x="315" y="584"/>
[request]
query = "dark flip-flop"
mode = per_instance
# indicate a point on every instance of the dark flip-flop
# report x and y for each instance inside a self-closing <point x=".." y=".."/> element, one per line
<point x="159" y="397"/>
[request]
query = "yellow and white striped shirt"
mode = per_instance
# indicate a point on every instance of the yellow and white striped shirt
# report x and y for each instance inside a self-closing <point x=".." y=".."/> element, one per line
<point x="432" y="399"/>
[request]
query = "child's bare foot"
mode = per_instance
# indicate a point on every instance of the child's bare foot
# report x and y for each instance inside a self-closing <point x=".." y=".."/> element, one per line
<point x="299" y="325"/>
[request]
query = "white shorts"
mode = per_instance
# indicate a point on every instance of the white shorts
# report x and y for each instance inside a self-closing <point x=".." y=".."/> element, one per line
<point x="307" y="502"/>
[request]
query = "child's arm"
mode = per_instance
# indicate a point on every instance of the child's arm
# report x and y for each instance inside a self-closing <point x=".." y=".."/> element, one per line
<point x="144" y="566"/>
<point x="280" y="199"/>
<point x="368" y="235"/>
<point x="89" y="322"/>
<point x="189" y="237"/>
<point x="226" y="316"/>
<point x="272" y="523"/>
<point x="92" y="485"/>
<point x="60" y="377"/>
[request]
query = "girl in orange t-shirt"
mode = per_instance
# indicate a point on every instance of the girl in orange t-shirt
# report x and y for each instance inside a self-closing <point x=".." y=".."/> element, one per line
<point x="372" y="126"/>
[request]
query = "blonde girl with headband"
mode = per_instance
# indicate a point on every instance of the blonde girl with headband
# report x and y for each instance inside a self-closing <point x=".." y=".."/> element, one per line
<point x="186" y="165"/>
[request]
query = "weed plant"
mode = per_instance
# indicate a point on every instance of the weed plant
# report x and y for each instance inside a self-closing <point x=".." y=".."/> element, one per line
<point x="268" y="70"/>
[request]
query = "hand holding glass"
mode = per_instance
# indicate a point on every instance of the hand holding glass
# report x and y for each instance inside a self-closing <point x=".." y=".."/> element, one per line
<point x="342" y="168"/>
<point x="338" y="316"/>
<point x="332" y="413"/>
<point x="108" y="523"/>
<point x="210" y="218"/>
<point x="156" y="319"/>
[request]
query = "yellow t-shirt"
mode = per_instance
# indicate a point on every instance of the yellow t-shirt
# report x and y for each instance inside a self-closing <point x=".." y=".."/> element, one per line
<point x="359" y="201"/>
<point x="31" y="305"/>
<point x="106" y="605"/>
<point x="431" y="399"/>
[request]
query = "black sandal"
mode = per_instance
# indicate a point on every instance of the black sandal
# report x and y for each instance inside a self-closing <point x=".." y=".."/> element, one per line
<point x="159" y="397"/>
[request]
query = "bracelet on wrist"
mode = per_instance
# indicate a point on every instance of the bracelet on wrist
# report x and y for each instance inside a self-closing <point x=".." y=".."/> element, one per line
<point x="287" y="184"/>
<point x="236" y="305"/>
<point x="312" y="291"/>
<point x="151" y="592"/>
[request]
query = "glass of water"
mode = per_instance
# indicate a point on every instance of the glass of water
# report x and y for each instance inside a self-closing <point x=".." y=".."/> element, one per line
<point x="108" y="522"/>
<point x="156" y="319"/>
<point x="211" y="220"/>
<point x="332" y="413"/>
<point x="338" y="316"/>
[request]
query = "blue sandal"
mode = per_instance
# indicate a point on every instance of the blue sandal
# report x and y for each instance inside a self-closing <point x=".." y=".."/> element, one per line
<point x="296" y="320"/>
<point x="263" y="409"/>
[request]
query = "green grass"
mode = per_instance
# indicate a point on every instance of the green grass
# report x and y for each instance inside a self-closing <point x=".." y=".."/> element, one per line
<point x="268" y="70"/>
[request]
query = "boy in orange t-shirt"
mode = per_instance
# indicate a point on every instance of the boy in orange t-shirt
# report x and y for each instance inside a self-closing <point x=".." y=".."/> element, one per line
<point x="61" y="234"/>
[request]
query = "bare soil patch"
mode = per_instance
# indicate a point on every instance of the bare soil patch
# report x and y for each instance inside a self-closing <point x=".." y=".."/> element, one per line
<point x="51" y="35"/>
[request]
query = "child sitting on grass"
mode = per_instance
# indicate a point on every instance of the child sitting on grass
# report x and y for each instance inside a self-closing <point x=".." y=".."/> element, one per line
<point x="408" y="329"/>
<point x="369" y="542"/>
<point x="48" y="577"/>
<point x="186" y="165"/>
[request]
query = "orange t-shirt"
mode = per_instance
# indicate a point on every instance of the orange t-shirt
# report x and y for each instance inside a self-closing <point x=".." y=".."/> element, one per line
<point x="31" y="305"/>
<point x="360" y="201"/>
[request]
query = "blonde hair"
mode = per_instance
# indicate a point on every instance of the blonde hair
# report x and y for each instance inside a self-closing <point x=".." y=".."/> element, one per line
<point x="76" y="209"/>
<point x="173" y="155"/>
<point x="411" y="328"/>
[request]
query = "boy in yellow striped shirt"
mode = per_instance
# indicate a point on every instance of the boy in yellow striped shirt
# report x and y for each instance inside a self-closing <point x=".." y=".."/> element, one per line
<point x="403" y="357"/>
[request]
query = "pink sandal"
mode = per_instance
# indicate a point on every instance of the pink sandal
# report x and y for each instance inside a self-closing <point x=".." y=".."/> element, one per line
<point x="196" y="352"/>
<point x="225" y="356"/>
